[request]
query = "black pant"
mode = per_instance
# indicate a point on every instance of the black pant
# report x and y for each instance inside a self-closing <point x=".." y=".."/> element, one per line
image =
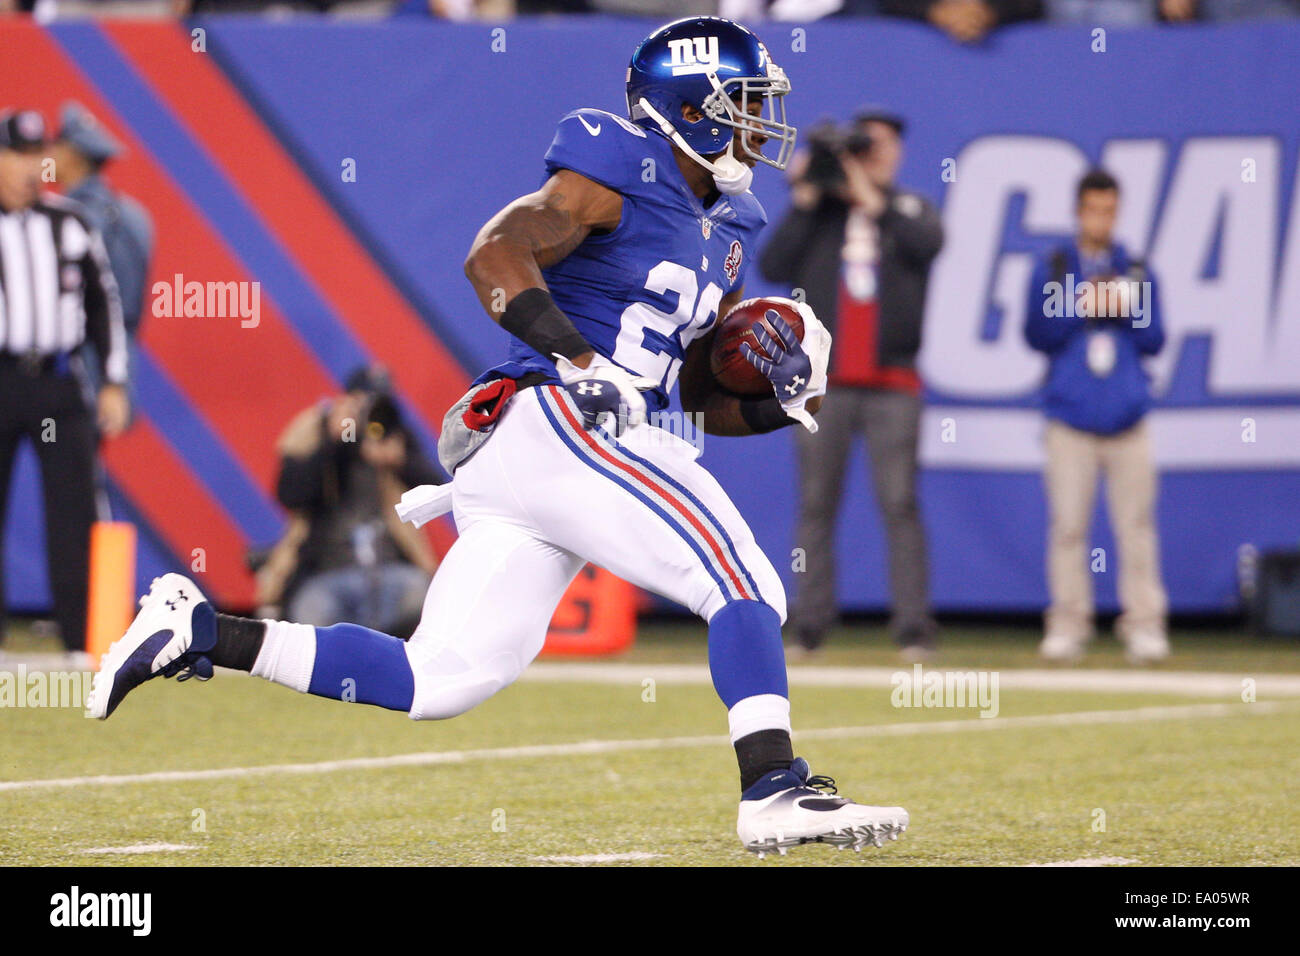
<point x="50" y="409"/>
<point x="890" y="421"/>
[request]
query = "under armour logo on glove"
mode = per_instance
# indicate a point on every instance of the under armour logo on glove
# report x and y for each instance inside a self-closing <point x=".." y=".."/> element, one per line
<point x="606" y="394"/>
<point x="796" y="369"/>
<point x="601" y="407"/>
<point x="789" y="367"/>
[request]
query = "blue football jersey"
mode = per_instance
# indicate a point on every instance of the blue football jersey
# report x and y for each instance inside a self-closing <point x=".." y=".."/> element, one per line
<point x="643" y="292"/>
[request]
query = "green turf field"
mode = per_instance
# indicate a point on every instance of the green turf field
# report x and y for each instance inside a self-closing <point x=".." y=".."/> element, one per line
<point x="1152" y="778"/>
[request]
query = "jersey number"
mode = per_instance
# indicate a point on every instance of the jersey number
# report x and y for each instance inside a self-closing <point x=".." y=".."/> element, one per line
<point x="649" y="341"/>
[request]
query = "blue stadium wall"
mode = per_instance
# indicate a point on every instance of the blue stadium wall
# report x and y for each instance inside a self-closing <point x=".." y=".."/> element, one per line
<point x="240" y="131"/>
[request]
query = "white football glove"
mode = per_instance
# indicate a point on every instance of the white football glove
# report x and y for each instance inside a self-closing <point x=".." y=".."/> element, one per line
<point x="816" y="345"/>
<point x="601" y="369"/>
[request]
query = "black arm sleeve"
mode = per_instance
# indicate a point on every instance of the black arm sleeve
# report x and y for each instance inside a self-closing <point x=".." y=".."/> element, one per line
<point x="533" y="317"/>
<point x="764" y="414"/>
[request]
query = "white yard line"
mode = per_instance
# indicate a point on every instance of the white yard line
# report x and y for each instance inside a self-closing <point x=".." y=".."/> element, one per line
<point x="1090" y="861"/>
<point x="1190" y="683"/>
<point x="144" y="848"/>
<point x="588" y="747"/>
<point x="600" y="858"/>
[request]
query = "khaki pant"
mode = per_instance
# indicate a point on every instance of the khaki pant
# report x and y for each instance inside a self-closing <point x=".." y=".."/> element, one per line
<point x="1074" y="461"/>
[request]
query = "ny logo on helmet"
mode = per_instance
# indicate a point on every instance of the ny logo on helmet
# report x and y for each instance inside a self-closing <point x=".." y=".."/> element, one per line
<point x="694" y="55"/>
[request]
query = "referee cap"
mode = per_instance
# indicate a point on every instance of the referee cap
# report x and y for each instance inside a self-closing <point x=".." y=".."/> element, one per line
<point x="22" y="130"/>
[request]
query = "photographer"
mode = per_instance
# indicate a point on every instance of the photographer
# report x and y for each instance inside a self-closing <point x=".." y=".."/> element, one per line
<point x="1094" y="311"/>
<point x="346" y="557"/>
<point x="860" y="249"/>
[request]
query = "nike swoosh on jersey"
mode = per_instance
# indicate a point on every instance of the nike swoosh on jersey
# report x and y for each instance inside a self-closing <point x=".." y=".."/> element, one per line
<point x="593" y="130"/>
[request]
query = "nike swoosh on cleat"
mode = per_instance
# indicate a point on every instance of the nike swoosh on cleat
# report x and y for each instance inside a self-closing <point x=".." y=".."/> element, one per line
<point x="593" y="130"/>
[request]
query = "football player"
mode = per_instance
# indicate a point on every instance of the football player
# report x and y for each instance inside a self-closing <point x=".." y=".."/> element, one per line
<point x="610" y="278"/>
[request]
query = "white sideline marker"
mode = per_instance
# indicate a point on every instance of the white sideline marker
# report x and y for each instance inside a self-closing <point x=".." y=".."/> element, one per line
<point x="145" y="848"/>
<point x="587" y="747"/>
<point x="600" y="858"/>
<point x="1090" y="861"/>
<point x="1098" y="680"/>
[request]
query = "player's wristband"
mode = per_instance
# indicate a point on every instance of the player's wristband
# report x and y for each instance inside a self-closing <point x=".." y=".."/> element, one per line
<point x="764" y="414"/>
<point x="533" y="317"/>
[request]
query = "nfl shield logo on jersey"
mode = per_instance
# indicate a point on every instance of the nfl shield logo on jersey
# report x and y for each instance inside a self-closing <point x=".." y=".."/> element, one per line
<point x="706" y="226"/>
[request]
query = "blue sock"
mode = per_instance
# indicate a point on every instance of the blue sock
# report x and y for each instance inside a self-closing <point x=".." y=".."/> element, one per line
<point x="746" y="656"/>
<point x="358" y="664"/>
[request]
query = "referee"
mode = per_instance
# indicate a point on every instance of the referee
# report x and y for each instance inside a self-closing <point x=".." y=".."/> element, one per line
<point x="56" y="291"/>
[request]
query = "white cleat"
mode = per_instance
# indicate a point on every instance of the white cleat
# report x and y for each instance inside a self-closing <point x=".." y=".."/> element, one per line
<point x="1062" y="648"/>
<point x="791" y="807"/>
<point x="175" y="629"/>
<point x="1146" y="647"/>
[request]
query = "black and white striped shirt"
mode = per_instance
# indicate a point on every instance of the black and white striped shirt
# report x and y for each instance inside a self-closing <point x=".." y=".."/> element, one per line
<point x="56" y="287"/>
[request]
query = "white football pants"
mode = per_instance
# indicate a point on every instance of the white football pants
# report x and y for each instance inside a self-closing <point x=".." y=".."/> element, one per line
<point x="541" y="497"/>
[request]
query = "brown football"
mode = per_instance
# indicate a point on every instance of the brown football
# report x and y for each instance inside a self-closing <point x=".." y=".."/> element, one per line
<point x="730" y="368"/>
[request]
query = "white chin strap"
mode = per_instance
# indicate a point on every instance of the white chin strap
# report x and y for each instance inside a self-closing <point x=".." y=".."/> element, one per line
<point x="730" y="175"/>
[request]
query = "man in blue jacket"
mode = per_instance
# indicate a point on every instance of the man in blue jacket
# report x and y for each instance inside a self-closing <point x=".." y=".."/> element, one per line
<point x="1094" y="311"/>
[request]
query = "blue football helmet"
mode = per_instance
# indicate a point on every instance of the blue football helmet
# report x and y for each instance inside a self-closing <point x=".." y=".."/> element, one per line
<point x="705" y="61"/>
